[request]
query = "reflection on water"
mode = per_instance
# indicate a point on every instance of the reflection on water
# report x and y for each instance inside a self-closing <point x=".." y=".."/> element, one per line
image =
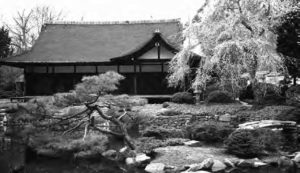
<point x="15" y="158"/>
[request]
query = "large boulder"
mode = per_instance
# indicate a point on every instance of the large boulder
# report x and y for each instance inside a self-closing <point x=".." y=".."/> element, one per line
<point x="286" y="164"/>
<point x="207" y="163"/>
<point x="155" y="168"/>
<point x="293" y="96"/>
<point x="297" y="157"/>
<point x="218" y="166"/>
<point x="142" y="158"/>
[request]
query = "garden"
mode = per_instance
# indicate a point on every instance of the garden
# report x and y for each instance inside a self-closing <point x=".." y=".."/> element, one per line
<point x="220" y="133"/>
<point x="237" y="108"/>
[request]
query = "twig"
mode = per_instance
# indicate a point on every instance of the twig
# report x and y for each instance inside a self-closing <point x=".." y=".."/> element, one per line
<point x="108" y="132"/>
<point x="74" y="128"/>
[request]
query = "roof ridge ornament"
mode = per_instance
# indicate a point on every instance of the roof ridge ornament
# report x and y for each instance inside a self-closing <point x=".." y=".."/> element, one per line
<point x="114" y="22"/>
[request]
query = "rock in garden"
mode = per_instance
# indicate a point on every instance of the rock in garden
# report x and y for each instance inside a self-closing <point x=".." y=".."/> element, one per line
<point x="127" y="152"/>
<point x="259" y="164"/>
<point x="142" y="158"/>
<point x="195" y="167"/>
<point x="178" y="169"/>
<point x="207" y="163"/>
<point x="110" y="154"/>
<point x="155" y="168"/>
<point x="198" y="172"/>
<point x="285" y="162"/>
<point x="228" y="163"/>
<point x="297" y="158"/>
<point x="130" y="161"/>
<point x="245" y="163"/>
<point x="192" y="143"/>
<point x="218" y="166"/>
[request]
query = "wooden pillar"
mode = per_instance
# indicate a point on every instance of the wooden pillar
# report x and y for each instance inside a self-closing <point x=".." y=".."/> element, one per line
<point x="25" y="83"/>
<point x="135" y="80"/>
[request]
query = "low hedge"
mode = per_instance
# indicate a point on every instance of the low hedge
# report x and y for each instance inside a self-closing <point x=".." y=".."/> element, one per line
<point x="208" y="132"/>
<point x="183" y="97"/>
<point x="219" y="97"/>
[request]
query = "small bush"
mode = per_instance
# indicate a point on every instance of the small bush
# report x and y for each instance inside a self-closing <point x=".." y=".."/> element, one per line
<point x="183" y="97"/>
<point x="247" y="93"/>
<point x="162" y="133"/>
<point x="252" y="143"/>
<point x="209" y="133"/>
<point x="271" y="140"/>
<point x="243" y="144"/>
<point x="290" y="115"/>
<point x="219" y="97"/>
<point x="66" y="99"/>
<point x="94" y="144"/>
<point x="293" y="96"/>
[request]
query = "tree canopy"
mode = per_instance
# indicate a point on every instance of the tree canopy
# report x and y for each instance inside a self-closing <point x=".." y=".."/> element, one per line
<point x="28" y="24"/>
<point x="4" y="42"/>
<point x="233" y="37"/>
<point x="288" y="41"/>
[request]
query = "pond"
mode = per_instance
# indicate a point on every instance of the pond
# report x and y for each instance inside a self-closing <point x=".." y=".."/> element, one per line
<point x="15" y="157"/>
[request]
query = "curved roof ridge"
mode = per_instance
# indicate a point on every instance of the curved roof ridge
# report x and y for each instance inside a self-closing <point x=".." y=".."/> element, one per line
<point x="113" y="22"/>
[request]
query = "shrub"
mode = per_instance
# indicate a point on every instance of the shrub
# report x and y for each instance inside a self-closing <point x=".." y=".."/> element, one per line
<point x="219" y="97"/>
<point x="243" y="144"/>
<point x="93" y="144"/>
<point x="293" y="96"/>
<point x="66" y="99"/>
<point x="8" y="77"/>
<point x="209" y="133"/>
<point x="246" y="93"/>
<point x="162" y="133"/>
<point x="290" y="115"/>
<point x="252" y="143"/>
<point x="183" y="97"/>
<point x="271" y="140"/>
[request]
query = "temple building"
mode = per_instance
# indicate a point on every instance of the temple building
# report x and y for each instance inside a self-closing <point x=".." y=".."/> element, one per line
<point x="67" y="51"/>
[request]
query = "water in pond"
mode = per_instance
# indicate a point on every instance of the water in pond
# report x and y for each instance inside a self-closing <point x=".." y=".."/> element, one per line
<point x="16" y="158"/>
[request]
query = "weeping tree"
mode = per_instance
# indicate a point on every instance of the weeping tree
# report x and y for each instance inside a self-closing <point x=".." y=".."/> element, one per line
<point x="233" y="38"/>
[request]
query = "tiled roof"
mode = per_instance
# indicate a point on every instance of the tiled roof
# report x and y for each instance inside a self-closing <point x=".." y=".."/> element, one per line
<point x="73" y="42"/>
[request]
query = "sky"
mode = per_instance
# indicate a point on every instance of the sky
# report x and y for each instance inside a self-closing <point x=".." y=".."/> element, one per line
<point x="107" y="10"/>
